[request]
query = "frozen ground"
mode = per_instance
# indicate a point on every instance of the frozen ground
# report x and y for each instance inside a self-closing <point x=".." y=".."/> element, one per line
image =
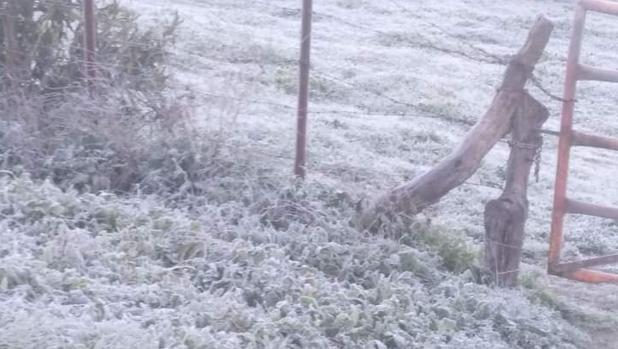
<point x="263" y="264"/>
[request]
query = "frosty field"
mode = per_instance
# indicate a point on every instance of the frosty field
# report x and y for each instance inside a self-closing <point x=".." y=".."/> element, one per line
<point x="262" y="261"/>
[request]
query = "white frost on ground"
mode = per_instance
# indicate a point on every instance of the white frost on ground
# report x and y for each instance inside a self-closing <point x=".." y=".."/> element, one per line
<point x="86" y="271"/>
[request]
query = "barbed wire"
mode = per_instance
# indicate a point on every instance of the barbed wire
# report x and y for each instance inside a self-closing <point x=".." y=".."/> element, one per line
<point x="426" y="112"/>
<point x="322" y="169"/>
<point x="485" y="55"/>
<point x="419" y="108"/>
<point x="539" y="85"/>
<point x="320" y="74"/>
<point x="478" y="54"/>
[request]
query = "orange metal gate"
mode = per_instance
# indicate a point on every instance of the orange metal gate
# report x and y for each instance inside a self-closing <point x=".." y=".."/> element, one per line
<point x="578" y="270"/>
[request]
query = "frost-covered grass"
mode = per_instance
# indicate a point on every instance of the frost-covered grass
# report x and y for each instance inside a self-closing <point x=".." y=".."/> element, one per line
<point x="257" y="260"/>
<point x="99" y="271"/>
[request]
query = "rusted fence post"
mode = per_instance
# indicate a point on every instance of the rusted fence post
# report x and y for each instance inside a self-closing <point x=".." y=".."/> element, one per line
<point x="505" y="217"/>
<point x="90" y="34"/>
<point x="10" y="42"/>
<point x="303" y="91"/>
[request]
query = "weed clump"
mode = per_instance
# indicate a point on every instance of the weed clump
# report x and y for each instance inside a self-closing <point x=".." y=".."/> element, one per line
<point x="131" y="131"/>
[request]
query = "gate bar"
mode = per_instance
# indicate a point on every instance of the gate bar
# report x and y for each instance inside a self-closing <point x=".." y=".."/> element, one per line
<point x="572" y="266"/>
<point x="590" y="276"/>
<point x="568" y="138"/>
<point x="578" y="207"/>
<point x="581" y="139"/>
<point x="591" y="73"/>
<point x="608" y="7"/>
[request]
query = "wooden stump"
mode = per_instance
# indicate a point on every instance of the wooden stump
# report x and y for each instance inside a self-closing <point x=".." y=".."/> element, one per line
<point x="506" y="216"/>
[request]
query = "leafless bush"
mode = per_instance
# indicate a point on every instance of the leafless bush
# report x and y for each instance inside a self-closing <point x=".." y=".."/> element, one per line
<point x="132" y="133"/>
<point x="90" y="143"/>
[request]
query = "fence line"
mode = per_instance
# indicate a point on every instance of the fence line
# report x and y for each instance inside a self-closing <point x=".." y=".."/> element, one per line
<point x="487" y="57"/>
<point x="490" y="58"/>
<point x="426" y="112"/>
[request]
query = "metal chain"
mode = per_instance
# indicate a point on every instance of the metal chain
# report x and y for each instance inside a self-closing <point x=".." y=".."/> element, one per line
<point x="537" y="159"/>
<point x="538" y="147"/>
<point x="521" y="145"/>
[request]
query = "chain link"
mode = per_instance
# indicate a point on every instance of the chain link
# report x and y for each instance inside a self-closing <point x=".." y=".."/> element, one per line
<point x="538" y="147"/>
<point x="538" y="158"/>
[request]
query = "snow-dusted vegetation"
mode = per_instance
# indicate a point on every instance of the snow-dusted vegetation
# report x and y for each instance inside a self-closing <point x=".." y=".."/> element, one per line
<point x="184" y="228"/>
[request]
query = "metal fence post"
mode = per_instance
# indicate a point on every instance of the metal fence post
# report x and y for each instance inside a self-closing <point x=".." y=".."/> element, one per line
<point x="10" y="42"/>
<point x="303" y="91"/>
<point x="90" y="35"/>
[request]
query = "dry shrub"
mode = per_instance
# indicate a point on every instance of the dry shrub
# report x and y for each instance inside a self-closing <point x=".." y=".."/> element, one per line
<point x="132" y="133"/>
<point x="88" y="143"/>
<point x="48" y="53"/>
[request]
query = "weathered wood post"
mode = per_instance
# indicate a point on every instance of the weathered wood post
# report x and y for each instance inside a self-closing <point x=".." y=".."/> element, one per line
<point x="505" y="217"/>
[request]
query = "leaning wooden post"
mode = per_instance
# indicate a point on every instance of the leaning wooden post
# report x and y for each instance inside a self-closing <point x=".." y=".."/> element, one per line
<point x="303" y="91"/>
<point x="505" y="217"/>
<point x="426" y="189"/>
<point x="90" y="34"/>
